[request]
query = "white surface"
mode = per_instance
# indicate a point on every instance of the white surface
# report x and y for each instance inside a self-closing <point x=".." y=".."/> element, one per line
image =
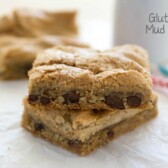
<point x="146" y="147"/>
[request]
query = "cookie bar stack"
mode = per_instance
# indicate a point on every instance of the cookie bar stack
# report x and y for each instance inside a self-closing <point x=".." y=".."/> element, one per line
<point x="80" y="98"/>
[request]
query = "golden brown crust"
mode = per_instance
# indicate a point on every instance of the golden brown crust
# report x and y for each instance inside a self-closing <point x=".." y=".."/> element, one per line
<point x="126" y="57"/>
<point x="93" y="74"/>
<point x="36" y="22"/>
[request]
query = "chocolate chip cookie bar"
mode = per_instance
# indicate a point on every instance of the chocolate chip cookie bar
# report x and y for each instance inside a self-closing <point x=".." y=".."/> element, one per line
<point x="83" y="131"/>
<point x="18" y="53"/>
<point x="36" y="22"/>
<point x="85" y="79"/>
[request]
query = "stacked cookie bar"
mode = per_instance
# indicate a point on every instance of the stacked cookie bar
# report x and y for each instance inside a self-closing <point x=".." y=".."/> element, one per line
<point x="80" y="98"/>
<point x="24" y="32"/>
<point x="18" y="53"/>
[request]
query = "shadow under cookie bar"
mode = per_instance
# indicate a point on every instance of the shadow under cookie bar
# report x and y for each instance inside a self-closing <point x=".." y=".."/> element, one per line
<point x="102" y="137"/>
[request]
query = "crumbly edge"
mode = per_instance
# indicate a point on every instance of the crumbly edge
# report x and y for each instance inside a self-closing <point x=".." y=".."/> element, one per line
<point x="96" y="141"/>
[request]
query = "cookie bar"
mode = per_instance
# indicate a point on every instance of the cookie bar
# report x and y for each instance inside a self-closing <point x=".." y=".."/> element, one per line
<point x="82" y="78"/>
<point x="36" y="22"/>
<point x="84" y="131"/>
<point x="18" y="53"/>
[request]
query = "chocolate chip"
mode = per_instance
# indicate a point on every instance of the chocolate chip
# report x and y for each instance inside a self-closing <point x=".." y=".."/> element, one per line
<point x="114" y="101"/>
<point x="134" y="101"/>
<point x="110" y="134"/>
<point x="71" y="97"/>
<point x="38" y="126"/>
<point x="32" y="98"/>
<point x="74" y="143"/>
<point x="45" y="100"/>
<point x="97" y="111"/>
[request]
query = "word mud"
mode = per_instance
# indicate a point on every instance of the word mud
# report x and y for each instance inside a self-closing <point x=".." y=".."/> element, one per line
<point x="157" y="23"/>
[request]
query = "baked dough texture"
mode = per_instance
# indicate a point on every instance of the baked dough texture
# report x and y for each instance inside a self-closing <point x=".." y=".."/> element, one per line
<point x="36" y="22"/>
<point x="18" y="53"/>
<point x="82" y="78"/>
